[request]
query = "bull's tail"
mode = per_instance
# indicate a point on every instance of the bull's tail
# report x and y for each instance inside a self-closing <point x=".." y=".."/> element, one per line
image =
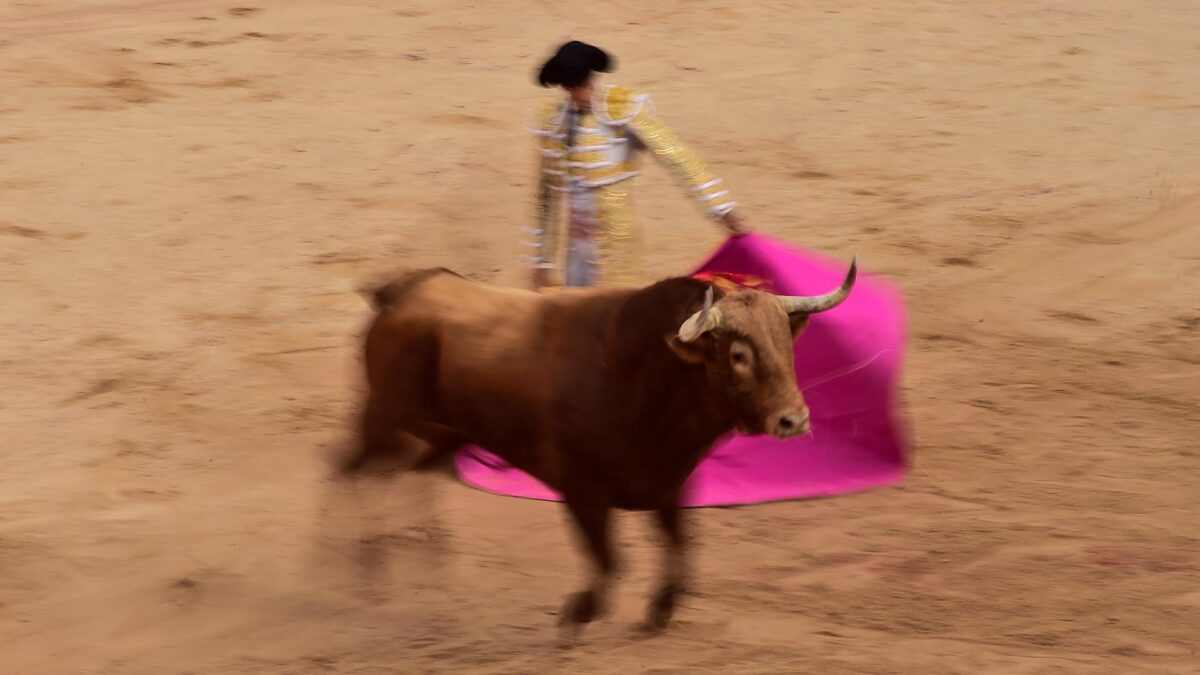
<point x="391" y="293"/>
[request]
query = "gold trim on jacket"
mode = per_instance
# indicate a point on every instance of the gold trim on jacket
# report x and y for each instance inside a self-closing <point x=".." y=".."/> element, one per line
<point x="604" y="152"/>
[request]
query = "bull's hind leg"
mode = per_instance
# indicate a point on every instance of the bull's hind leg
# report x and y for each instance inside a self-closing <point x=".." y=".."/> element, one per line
<point x="674" y="583"/>
<point x="378" y="436"/>
<point x="397" y="403"/>
<point x="583" y="607"/>
<point x="442" y="442"/>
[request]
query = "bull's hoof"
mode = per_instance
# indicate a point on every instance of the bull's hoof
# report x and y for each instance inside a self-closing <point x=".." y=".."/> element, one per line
<point x="370" y="461"/>
<point x="662" y="608"/>
<point x="580" y="608"/>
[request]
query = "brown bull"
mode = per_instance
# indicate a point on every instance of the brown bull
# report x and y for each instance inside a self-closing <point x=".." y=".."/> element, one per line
<point x="611" y="397"/>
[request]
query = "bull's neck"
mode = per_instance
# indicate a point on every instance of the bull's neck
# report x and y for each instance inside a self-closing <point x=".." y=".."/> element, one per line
<point x="668" y="400"/>
<point x="680" y="408"/>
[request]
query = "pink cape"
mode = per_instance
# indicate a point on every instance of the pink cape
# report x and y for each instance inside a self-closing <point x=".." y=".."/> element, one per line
<point x="847" y="364"/>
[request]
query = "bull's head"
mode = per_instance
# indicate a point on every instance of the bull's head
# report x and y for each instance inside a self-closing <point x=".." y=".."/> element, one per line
<point x="745" y="341"/>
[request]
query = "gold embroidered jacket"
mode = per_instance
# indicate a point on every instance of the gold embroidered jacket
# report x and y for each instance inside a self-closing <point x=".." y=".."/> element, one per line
<point x="604" y="153"/>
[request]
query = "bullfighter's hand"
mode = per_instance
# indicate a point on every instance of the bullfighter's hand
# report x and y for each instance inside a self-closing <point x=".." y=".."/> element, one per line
<point x="736" y="223"/>
<point x="540" y="278"/>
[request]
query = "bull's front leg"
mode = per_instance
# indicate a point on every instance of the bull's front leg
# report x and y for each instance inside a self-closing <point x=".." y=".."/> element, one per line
<point x="592" y="519"/>
<point x="674" y="582"/>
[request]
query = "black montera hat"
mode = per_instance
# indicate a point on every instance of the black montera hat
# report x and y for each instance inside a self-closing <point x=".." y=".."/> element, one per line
<point x="573" y="64"/>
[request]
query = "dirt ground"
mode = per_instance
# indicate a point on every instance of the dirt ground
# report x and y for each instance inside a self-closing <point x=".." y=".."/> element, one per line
<point x="191" y="190"/>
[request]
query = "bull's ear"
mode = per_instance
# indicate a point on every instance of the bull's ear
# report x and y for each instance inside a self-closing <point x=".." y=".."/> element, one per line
<point x="688" y="352"/>
<point x="798" y="322"/>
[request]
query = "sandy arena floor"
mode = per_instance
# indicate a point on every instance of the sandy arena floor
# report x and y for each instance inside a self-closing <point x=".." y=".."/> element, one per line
<point x="191" y="190"/>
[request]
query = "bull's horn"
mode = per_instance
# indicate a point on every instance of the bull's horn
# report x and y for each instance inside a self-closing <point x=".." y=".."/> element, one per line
<point x="701" y="322"/>
<point x="811" y="304"/>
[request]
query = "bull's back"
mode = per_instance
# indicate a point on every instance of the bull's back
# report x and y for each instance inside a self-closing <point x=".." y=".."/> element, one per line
<point x="507" y="368"/>
<point x="474" y="357"/>
<point x="482" y="329"/>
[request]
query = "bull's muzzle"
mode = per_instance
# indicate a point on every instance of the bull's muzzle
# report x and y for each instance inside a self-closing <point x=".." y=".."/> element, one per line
<point x="789" y="423"/>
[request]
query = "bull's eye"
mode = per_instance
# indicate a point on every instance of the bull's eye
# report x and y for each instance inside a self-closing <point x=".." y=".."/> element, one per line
<point x="739" y="356"/>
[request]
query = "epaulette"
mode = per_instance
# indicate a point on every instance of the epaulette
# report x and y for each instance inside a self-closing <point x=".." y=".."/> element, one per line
<point x="550" y="119"/>
<point x="619" y="105"/>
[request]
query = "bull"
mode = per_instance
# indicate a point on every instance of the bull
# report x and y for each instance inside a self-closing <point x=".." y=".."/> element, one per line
<point x="609" y="396"/>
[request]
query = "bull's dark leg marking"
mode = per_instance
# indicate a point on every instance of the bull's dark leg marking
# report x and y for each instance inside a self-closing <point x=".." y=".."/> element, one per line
<point x="662" y="606"/>
<point x="442" y="441"/>
<point x="593" y="522"/>
<point x="376" y="436"/>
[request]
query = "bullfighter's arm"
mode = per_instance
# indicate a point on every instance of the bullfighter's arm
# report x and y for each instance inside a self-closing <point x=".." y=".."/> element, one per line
<point x="707" y="188"/>
<point x="542" y="239"/>
<point x="542" y="236"/>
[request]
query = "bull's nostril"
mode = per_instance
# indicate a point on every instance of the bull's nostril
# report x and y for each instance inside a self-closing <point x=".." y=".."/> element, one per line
<point x="791" y="424"/>
<point x="788" y="424"/>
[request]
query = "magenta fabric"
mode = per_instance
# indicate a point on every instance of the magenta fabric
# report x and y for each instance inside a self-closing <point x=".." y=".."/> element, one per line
<point x="848" y="364"/>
